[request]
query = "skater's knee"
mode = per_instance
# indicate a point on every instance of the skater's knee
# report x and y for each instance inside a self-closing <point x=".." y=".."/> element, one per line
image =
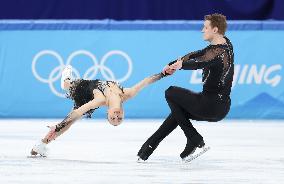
<point x="170" y="92"/>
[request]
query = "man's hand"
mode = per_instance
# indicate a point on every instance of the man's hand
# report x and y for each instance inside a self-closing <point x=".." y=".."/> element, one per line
<point x="177" y="65"/>
<point x="167" y="70"/>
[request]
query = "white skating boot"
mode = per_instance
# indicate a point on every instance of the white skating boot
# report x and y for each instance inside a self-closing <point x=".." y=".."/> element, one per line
<point x="39" y="149"/>
<point x="66" y="74"/>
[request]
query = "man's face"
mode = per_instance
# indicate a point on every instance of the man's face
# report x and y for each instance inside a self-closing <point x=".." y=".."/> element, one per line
<point x="208" y="31"/>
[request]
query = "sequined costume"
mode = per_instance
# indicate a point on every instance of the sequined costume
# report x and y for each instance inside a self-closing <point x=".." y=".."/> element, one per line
<point x="217" y="63"/>
<point x="212" y="104"/>
<point x="81" y="91"/>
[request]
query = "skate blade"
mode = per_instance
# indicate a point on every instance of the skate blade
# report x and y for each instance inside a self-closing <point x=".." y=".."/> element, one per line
<point x="140" y="160"/>
<point x="36" y="156"/>
<point x="194" y="156"/>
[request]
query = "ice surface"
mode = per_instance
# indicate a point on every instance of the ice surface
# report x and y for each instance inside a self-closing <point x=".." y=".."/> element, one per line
<point x="96" y="152"/>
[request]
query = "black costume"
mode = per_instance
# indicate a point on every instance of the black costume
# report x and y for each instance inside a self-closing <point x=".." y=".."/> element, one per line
<point x="81" y="91"/>
<point x="212" y="104"/>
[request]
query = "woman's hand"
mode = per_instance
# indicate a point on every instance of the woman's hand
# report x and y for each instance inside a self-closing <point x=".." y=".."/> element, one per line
<point x="177" y="65"/>
<point x="167" y="70"/>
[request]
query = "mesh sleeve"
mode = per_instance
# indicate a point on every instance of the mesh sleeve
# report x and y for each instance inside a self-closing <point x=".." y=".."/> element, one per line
<point x="189" y="56"/>
<point x="204" y="58"/>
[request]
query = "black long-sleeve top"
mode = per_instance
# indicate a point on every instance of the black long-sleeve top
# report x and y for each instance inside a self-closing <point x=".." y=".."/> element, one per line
<point x="217" y="63"/>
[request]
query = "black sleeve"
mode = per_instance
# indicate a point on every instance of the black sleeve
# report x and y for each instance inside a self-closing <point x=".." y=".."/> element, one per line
<point x="188" y="56"/>
<point x="205" y="57"/>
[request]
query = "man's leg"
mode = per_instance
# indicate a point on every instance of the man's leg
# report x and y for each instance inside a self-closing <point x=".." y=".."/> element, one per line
<point x="184" y="123"/>
<point x="151" y="144"/>
<point x="194" y="139"/>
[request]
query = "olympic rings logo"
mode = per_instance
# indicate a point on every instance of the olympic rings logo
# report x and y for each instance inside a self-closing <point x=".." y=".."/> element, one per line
<point x="90" y="73"/>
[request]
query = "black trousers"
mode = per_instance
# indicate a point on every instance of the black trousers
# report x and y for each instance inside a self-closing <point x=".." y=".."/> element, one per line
<point x="186" y="105"/>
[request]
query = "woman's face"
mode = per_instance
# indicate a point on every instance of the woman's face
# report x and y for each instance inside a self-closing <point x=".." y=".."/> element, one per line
<point x="67" y="84"/>
<point x="115" y="116"/>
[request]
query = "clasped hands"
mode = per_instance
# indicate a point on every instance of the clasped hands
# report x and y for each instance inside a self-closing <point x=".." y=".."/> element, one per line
<point x="170" y="69"/>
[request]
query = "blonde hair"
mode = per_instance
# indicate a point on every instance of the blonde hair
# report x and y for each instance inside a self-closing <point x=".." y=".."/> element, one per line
<point x="217" y="20"/>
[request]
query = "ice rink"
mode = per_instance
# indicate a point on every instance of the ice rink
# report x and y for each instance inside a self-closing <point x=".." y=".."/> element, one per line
<point x="95" y="152"/>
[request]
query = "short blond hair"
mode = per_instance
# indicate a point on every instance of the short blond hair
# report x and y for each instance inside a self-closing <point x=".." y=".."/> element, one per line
<point x="217" y="20"/>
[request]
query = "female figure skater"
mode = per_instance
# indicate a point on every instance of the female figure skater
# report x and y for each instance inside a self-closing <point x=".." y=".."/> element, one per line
<point x="89" y="95"/>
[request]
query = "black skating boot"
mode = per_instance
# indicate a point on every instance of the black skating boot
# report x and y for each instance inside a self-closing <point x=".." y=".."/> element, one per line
<point x="190" y="148"/>
<point x="146" y="150"/>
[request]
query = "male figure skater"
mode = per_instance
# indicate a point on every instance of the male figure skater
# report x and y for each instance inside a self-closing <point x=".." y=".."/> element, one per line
<point x="212" y="104"/>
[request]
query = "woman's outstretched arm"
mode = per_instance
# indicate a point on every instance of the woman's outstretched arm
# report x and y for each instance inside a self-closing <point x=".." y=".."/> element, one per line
<point x="74" y="115"/>
<point x="131" y="92"/>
